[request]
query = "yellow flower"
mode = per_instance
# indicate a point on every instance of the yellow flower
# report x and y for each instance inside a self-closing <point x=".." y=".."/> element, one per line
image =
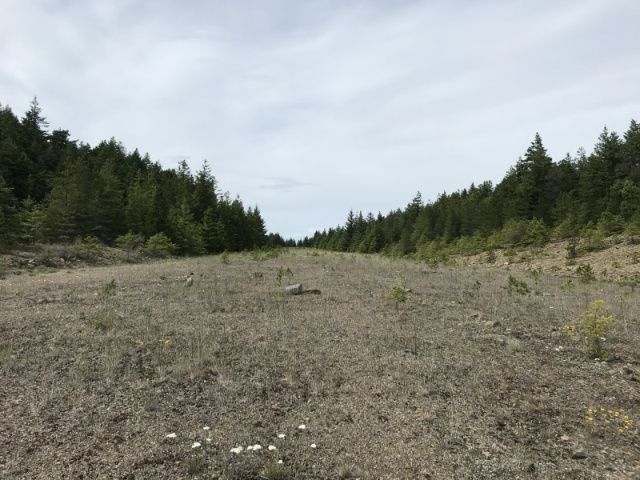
<point x="589" y="419"/>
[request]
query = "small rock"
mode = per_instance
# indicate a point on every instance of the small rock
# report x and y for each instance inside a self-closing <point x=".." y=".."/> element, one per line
<point x="579" y="454"/>
<point x="492" y="323"/>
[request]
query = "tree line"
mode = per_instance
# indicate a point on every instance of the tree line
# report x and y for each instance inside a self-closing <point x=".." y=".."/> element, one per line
<point x="54" y="189"/>
<point x="586" y="195"/>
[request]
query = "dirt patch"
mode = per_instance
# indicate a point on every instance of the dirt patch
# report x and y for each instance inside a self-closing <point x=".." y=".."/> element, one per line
<point x="149" y="378"/>
<point x="617" y="262"/>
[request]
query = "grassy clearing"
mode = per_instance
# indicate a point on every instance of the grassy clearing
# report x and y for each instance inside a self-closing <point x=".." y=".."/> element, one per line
<point x="123" y="372"/>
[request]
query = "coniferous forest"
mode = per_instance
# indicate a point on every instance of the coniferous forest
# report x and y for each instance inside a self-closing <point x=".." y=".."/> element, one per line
<point x="57" y="190"/>
<point x="586" y="196"/>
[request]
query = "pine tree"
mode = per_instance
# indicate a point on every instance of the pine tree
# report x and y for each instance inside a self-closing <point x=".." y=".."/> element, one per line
<point x="204" y="192"/>
<point x="8" y="216"/>
<point x="107" y="204"/>
<point x="184" y="231"/>
<point x="68" y="212"/>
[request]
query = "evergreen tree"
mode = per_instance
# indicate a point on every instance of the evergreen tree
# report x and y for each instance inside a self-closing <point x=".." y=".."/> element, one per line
<point x="8" y="216"/>
<point x="68" y="213"/>
<point x="140" y="215"/>
<point x="32" y="217"/>
<point x="184" y="231"/>
<point x="204" y="192"/>
<point x="108" y="204"/>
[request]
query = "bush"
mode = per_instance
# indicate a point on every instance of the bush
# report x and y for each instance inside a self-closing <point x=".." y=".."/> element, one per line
<point x="398" y="293"/>
<point x="88" y="248"/>
<point x="585" y="273"/>
<point x="608" y="224"/>
<point x="518" y="286"/>
<point x="595" y="328"/>
<point x="130" y="242"/>
<point x="158" y="246"/>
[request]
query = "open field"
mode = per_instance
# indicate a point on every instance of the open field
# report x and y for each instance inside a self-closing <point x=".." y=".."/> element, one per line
<point x="464" y="380"/>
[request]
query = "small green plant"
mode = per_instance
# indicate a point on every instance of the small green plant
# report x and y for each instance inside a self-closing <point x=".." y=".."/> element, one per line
<point x="568" y="285"/>
<point x="535" y="274"/>
<point x="274" y="471"/>
<point x="398" y="292"/>
<point x="282" y="272"/>
<point x="514" y="346"/>
<point x="635" y="258"/>
<point x="554" y="268"/>
<point x="348" y="471"/>
<point x="224" y="257"/>
<point x="258" y="274"/>
<point x="109" y="288"/>
<point x="585" y="273"/>
<point x="615" y="264"/>
<point x="105" y="320"/>
<point x="518" y="286"/>
<point x="196" y="465"/>
<point x="595" y="327"/>
<point x="491" y="256"/>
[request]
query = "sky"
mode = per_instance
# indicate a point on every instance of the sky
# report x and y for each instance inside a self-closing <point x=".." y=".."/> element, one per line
<point x="310" y="109"/>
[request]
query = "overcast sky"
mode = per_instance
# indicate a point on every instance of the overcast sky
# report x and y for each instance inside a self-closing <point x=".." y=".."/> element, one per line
<point x="312" y="108"/>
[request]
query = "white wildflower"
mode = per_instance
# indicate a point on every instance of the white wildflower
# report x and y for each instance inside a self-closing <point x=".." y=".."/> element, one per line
<point x="281" y="435"/>
<point x="206" y="428"/>
<point x="250" y="447"/>
<point x="280" y="461"/>
<point x="196" y="445"/>
<point x="171" y="435"/>
<point x="313" y="445"/>
<point x="236" y="450"/>
<point x="257" y="447"/>
<point x="302" y="427"/>
<point x="271" y="447"/>
<point x="209" y="440"/>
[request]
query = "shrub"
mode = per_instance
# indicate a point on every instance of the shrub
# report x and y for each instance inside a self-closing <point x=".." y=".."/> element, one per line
<point x="595" y="327"/>
<point x="568" y="285"/>
<point x="517" y="286"/>
<point x="158" y="246"/>
<point x="514" y="346"/>
<point x="109" y="289"/>
<point x="130" y="242"/>
<point x="398" y="293"/>
<point x="585" y="273"/>
<point x="282" y="272"/>
<point x="88" y="248"/>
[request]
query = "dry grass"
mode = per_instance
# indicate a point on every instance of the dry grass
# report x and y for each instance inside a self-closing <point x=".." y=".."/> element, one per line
<point x="463" y="380"/>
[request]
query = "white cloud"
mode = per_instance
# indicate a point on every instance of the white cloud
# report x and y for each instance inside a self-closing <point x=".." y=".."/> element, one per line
<point x="310" y="109"/>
